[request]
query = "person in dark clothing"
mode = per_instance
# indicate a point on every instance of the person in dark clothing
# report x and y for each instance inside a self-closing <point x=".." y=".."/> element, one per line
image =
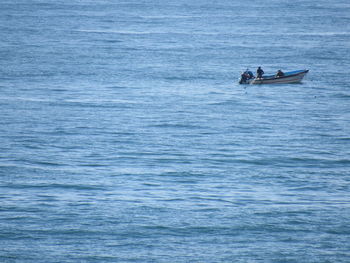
<point x="259" y="73"/>
<point x="279" y="73"/>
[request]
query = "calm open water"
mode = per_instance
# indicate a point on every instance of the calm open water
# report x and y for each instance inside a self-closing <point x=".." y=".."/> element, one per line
<point x="126" y="138"/>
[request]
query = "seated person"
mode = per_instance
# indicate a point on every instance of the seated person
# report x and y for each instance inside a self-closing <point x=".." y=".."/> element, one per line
<point x="279" y="73"/>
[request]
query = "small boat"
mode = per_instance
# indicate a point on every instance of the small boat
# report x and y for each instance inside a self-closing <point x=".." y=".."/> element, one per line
<point x="288" y="77"/>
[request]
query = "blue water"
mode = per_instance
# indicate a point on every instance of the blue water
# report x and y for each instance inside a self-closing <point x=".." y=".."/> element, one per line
<point x="126" y="138"/>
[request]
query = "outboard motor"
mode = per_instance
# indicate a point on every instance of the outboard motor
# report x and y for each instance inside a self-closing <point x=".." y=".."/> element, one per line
<point x="243" y="78"/>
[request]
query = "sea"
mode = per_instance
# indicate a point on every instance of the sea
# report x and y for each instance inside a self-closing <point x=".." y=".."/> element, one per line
<point x="125" y="136"/>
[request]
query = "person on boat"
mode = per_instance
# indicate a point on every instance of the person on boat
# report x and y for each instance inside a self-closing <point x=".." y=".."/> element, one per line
<point x="279" y="73"/>
<point x="259" y="73"/>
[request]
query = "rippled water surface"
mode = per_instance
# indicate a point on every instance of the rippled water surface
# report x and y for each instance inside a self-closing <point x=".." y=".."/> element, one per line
<point x="126" y="138"/>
